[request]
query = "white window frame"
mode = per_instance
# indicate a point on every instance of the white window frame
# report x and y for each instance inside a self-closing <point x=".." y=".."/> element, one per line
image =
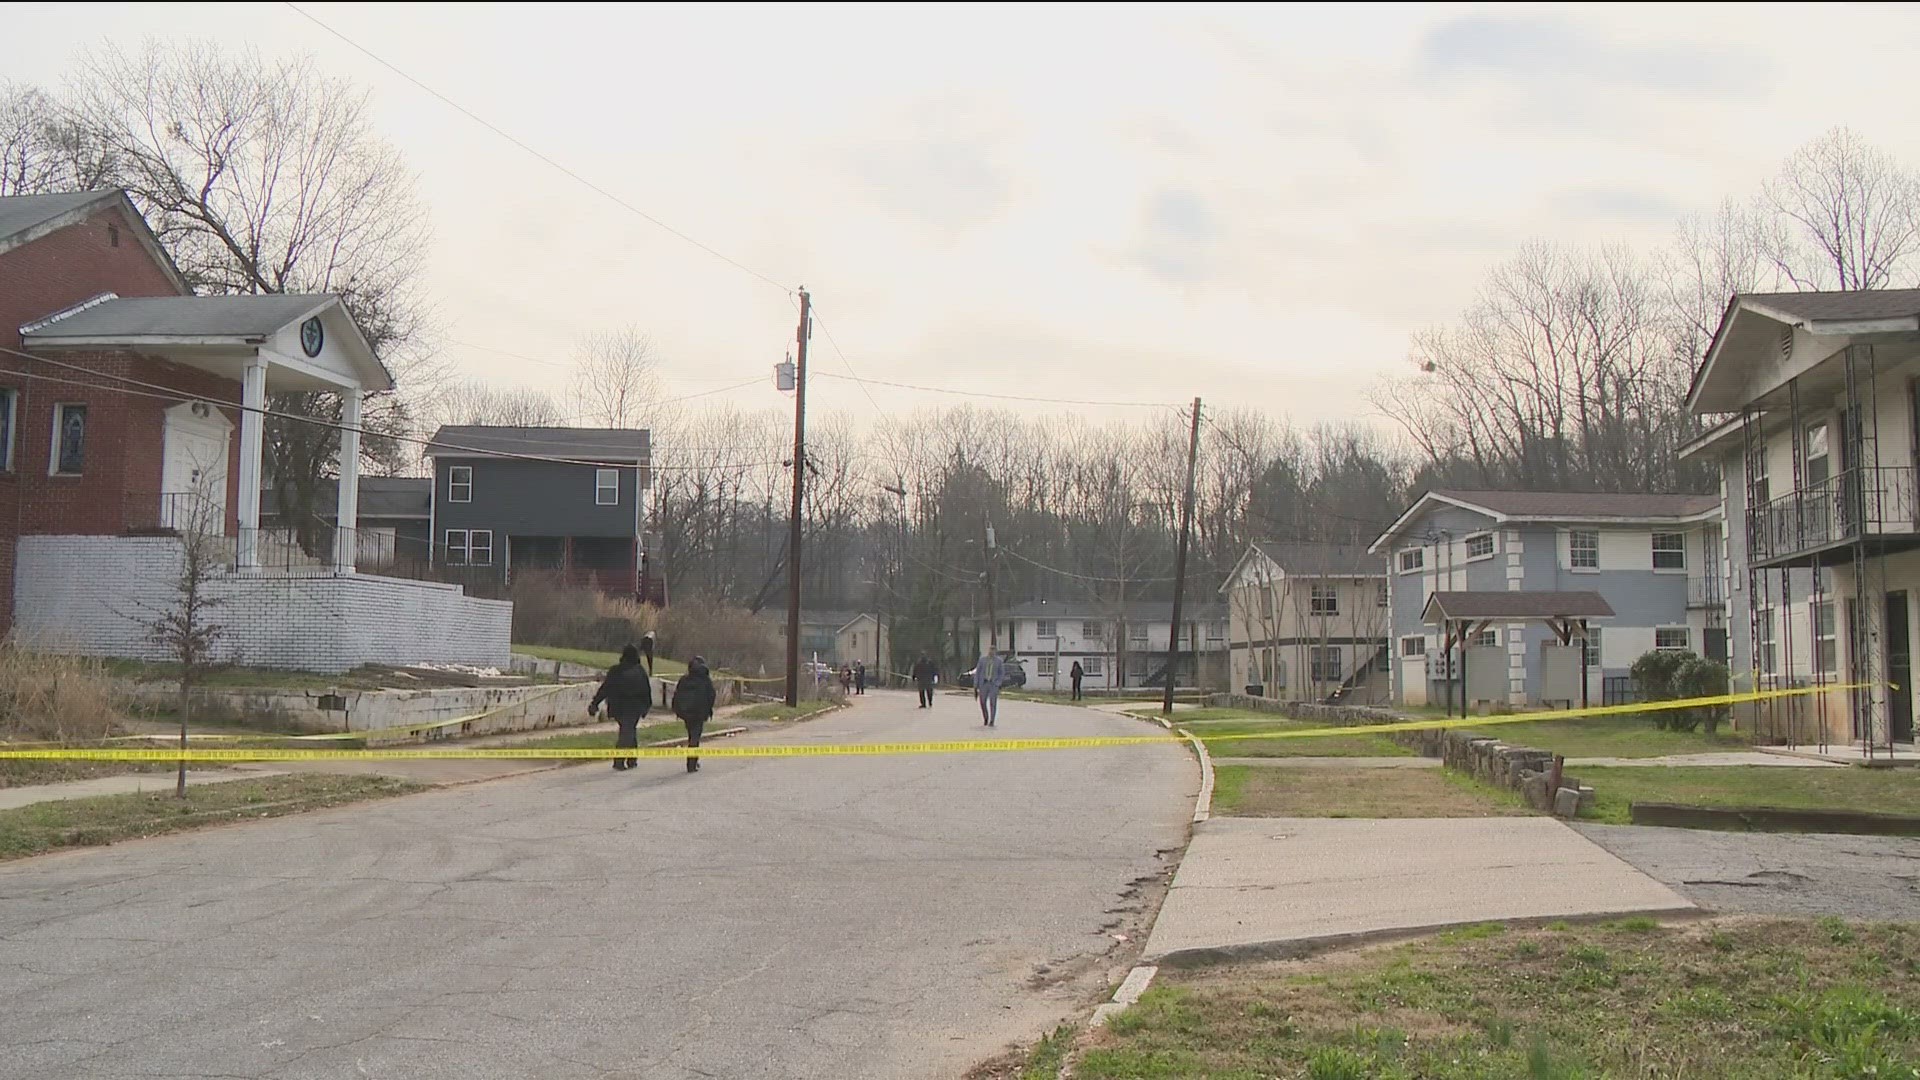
<point x="1048" y="667"/>
<point x="474" y="547"/>
<point x="461" y="547"/>
<point x="1475" y="539"/>
<point x="1319" y="656"/>
<point x="1658" y="551"/>
<point x="1826" y="640"/>
<point x="1413" y="645"/>
<point x="1766" y="653"/>
<point x="1573" y="551"/>
<point x="459" y="490"/>
<point x="1137" y="634"/>
<point x="53" y="447"/>
<point x="1759" y="475"/>
<point x="10" y="416"/>
<point x="1413" y="560"/>
<point x="606" y="482"/>
<point x="1216" y="631"/>
<point x="1593" y="647"/>
<point x="1046" y="628"/>
<point x="1685" y="642"/>
<point x="1094" y="665"/>
<point x="1093" y="630"/>
<point x="1487" y="639"/>
<point x="1323" y="599"/>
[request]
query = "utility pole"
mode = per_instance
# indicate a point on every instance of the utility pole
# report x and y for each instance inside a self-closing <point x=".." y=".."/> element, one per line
<point x="993" y="622"/>
<point x="799" y="482"/>
<point x="1180" y="569"/>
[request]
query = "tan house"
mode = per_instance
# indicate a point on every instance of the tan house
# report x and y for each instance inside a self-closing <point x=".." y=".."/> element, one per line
<point x="1309" y="621"/>
<point x="863" y="638"/>
<point x="1816" y="458"/>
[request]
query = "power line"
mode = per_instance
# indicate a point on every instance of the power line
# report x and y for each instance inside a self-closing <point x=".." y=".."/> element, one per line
<point x="483" y="122"/>
<point x="986" y="394"/>
<point x="843" y="359"/>
<point x="1086" y="577"/>
<point x="170" y="393"/>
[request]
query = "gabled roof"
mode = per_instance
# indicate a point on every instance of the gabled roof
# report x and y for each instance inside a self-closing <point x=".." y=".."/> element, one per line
<point x="1503" y="604"/>
<point x="185" y="317"/>
<point x="1309" y="558"/>
<point x="26" y="218"/>
<point x="1751" y="324"/>
<point x="572" y="444"/>
<point x="1578" y="507"/>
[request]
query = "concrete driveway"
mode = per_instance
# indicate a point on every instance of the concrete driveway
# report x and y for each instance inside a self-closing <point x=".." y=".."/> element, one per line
<point x="839" y="917"/>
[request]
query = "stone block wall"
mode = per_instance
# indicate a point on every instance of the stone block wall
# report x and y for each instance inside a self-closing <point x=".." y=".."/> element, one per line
<point x="97" y="595"/>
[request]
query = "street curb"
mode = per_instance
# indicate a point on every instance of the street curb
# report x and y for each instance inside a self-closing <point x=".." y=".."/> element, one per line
<point x="1202" y="803"/>
<point x="1131" y="988"/>
<point x="1300" y="948"/>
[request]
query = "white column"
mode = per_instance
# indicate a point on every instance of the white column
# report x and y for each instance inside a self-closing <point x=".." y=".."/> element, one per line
<point x="345" y="538"/>
<point x="252" y="441"/>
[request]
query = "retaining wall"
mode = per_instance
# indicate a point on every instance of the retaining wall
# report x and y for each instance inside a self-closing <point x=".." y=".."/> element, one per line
<point x="98" y="596"/>
<point x="508" y="708"/>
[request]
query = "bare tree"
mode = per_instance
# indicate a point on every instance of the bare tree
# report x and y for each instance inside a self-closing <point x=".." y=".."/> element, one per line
<point x="187" y="628"/>
<point x="1841" y="214"/>
<point x="471" y="401"/>
<point x="41" y="149"/>
<point x="617" y="379"/>
<point x="267" y="177"/>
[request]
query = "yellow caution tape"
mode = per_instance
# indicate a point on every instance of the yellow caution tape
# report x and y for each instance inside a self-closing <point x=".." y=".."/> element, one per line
<point x="207" y="754"/>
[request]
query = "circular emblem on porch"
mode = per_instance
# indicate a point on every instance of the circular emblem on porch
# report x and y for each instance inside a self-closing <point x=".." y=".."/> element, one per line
<point x="312" y="336"/>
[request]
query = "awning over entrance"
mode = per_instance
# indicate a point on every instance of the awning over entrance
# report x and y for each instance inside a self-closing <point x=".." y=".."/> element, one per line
<point x="1499" y="606"/>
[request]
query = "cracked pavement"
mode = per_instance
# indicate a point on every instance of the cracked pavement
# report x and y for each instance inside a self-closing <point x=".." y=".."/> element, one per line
<point x="874" y="917"/>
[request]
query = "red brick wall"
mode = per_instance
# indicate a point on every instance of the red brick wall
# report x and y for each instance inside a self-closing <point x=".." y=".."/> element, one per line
<point x="74" y="264"/>
<point x="125" y="434"/>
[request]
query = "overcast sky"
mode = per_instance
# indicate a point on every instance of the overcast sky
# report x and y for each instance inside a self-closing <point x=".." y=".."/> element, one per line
<point x="1257" y="206"/>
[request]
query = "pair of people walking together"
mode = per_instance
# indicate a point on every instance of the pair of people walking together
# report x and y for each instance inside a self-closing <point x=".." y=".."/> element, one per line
<point x="627" y="692"/>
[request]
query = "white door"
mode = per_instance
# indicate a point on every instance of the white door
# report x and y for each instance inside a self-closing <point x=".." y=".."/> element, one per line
<point x="193" y="471"/>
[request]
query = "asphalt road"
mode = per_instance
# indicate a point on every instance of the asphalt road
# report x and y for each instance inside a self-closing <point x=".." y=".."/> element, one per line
<point x="838" y="917"/>
<point x="1856" y="877"/>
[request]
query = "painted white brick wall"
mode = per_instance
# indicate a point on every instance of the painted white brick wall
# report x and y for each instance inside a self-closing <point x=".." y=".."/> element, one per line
<point x="96" y="595"/>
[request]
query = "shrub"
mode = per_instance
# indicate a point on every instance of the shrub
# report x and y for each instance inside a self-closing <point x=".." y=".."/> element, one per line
<point x="56" y="698"/>
<point x="1669" y="676"/>
<point x="546" y="612"/>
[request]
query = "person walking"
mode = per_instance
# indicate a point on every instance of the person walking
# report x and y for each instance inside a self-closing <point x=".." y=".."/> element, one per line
<point x="860" y="677"/>
<point x="1078" y="673"/>
<point x="988" y="674"/>
<point x="627" y="692"/>
<point x="923" y="675"/>
<point x="693" y="700"/>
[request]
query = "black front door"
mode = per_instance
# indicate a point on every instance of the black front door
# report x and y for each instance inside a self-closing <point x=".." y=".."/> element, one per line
<point x="1717" y="644"/>
<point x="1899" y="669"/>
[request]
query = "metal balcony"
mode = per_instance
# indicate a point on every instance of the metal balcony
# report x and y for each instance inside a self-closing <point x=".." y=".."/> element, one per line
<point x="1706" y="592"/>
<point x="1816" y="525"/>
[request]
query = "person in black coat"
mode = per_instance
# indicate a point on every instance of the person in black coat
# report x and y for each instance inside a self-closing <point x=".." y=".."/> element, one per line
<point x="628" y="693"/>
<point x="924" y="674"/>
<point x="693" y="701"/>
<point x="1078" y="673"/>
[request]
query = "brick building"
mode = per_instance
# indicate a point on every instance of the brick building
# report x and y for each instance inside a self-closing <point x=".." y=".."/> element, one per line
<point x="133" y="411"/>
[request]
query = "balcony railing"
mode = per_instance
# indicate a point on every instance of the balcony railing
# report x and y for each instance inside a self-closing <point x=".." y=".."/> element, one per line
<point x="1705" y="592"/>
<point x="1848" y="506"/>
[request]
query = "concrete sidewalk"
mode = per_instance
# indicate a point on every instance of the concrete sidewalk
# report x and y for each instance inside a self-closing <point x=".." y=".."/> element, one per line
<point x="1251" y="887"/>
<point x="127" y="784"/>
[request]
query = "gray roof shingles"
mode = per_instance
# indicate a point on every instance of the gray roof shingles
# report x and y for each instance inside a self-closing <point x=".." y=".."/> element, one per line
<point x="1829" y="306"/>
<point x="1322" y="559"/>
<point x="20" y="213"/>
<point x="586" y="444"/>
<point x="1631" y="506"/>
<point x="183" y="316"/>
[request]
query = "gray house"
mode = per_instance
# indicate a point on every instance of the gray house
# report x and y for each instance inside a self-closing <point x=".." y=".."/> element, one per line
<point x="1654" y="559"/>
<point x="565" y="501"/>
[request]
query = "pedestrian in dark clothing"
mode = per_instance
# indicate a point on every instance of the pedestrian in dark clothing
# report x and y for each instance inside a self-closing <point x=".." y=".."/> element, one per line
<point x="693" y="700"/>
<point x="924" y="674"/>
<point x="628" y="693"/>
<point x="860" y="678"/>
<point x="1077" y="674"/>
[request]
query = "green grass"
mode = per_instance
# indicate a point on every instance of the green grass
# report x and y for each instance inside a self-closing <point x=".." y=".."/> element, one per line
<point x="662" y="667"/>
<point x="1277" y="791"/>
<point x="1894" y="791"/>
<point x="30" y="830"/>
<point x="1214" y="733"/>
<point x="774" y="710"/>
<point x="1773" y="1000"/>
<point x="1044" y="1061"/>
<point x="1614" y="736"/>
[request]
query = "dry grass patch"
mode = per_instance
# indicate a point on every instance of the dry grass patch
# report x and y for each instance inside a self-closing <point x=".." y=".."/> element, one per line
<point x="1277" y="791"/>
<point x="1799" y="999"/>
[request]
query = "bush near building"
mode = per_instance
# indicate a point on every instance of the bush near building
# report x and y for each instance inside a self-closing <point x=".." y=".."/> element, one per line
<point x="1676" y="675"/>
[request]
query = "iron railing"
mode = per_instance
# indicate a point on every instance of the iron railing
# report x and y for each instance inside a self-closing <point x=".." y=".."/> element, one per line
<point x="1847" y="506"/>
<point x="1705" y="592"/>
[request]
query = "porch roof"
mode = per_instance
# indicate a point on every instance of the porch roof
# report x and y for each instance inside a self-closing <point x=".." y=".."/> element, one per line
<point x="1749" y="336"/>
<point x="196" y="329"/>
<point x="1501" y="604"/>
